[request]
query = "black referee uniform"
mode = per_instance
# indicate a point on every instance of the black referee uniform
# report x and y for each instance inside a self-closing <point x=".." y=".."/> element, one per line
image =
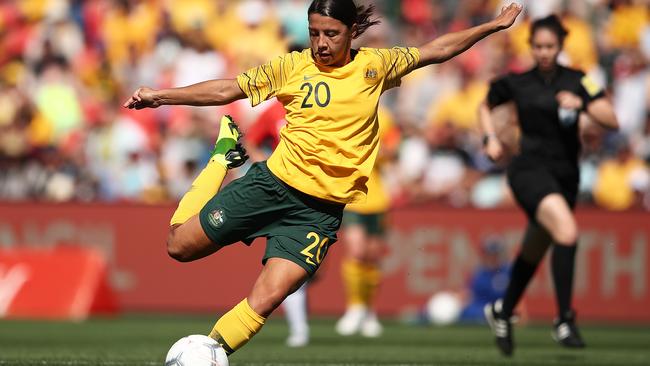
<point x="549" y="145"/>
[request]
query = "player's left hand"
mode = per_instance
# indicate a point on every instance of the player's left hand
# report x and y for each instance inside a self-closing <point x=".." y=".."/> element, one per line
<point x="508" y="15"/>
<point x="568" y="100"/>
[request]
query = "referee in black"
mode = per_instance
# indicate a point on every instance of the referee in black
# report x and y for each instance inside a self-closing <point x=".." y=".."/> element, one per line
<point x="544" y="176"/>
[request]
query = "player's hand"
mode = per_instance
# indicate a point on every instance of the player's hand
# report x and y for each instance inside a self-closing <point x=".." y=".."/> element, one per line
<point x="493" y="149"/>
<point x="508" y="15"/>
<point x="568" y="100"/>
<point x="142" y="98"/>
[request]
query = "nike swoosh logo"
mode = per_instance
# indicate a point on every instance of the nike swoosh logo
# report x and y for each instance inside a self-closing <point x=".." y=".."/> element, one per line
<point x="307" y="77"/>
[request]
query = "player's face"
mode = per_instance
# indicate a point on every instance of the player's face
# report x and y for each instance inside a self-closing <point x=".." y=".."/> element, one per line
<point x="546" y="48"/>
<point x="330" y="40"/>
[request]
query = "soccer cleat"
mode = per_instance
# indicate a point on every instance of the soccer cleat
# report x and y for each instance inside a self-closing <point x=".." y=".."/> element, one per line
<point x="350" y="322"/>
<point x="296" y="340"/>
<point x="228" y="151"/>
<point x="501" y="327"/>
<point x="370" y="326"/>
<point x="566" y="332"/>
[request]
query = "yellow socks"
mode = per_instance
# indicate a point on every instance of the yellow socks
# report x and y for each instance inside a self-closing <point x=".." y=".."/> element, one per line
<point x="204" y="187"/>
<point x="361" y="282"/>
<point x="236" y="327"/>
<point x="207" y="184"/>
<point x="352" y="273"/>
<point x="371" y="279"/>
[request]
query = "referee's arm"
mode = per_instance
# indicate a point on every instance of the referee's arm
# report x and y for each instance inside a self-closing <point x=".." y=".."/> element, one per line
<point x="449" y="45"/>
<point x="602" y="112"/>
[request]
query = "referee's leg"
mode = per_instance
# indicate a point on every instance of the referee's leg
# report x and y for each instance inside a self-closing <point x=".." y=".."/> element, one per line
<point x="555" y="215"/>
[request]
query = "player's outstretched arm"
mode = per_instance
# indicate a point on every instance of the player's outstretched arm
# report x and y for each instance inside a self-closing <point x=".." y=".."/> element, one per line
<point x="449" y="45"/>
<point x="211" y="92"/>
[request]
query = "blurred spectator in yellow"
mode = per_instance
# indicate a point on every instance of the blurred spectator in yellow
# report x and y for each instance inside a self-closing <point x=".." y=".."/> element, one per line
<point x="187" y="15"/>
<point x="130" y="24"/>
<point x="258" y="33"/>
<point x="626" y="23"/>
<point x="458" y="107"/>
<point x="621" y="180"/>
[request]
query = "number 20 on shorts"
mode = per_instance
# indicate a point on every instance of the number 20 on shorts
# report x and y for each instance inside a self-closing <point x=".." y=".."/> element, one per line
<point x="319" y="245"/>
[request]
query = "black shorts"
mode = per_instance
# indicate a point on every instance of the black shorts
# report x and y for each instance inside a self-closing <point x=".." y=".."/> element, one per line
<point x="298" y="227"/>
<point x="531" y="181"/>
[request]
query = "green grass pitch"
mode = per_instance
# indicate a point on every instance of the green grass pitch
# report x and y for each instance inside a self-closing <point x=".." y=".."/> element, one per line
<point x="144" y="340"/>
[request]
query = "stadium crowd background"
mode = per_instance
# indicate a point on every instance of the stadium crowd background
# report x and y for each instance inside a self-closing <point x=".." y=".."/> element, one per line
<point x="66" y="66"/>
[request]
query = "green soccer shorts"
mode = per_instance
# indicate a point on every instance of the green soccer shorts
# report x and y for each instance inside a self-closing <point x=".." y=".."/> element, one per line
<point x="374" y="224"/>
<point x="298" y="227"/>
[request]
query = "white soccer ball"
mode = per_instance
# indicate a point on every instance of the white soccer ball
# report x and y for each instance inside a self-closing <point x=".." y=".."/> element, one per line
<point x="444" y="308"/>
<point x="196" y="350"/>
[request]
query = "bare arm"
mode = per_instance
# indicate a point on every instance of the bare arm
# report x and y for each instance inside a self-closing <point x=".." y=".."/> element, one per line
<point x="449" y="45"/>
<point x="602" y="112"/>
<point x="211" y="92"/>
<point x="491" y="143"/>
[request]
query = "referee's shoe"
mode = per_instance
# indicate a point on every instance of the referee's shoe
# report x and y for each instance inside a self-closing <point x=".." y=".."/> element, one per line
<point x="501" y="327"/>
<point x="565" y="331"/>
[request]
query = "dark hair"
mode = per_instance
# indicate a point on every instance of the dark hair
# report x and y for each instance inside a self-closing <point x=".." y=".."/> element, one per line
<point x="347" y="12"/>
<point x="552" y="23"/>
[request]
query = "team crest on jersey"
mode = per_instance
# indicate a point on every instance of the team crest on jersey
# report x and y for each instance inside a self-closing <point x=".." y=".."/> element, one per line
<point x="217" y="218"/>
<point x="370" y="74"/>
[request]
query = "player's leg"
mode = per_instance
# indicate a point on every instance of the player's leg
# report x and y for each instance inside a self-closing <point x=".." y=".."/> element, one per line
<point x="499" y="315"/>
<point x="353" y="274"/>
<point x="371" y="327"/>
<point x="555" y="214"/>
<point x="186" y="240"/>
<point x="279" y="278"/>
<point x="298" y="239"/>
<point x="295" y="309"/>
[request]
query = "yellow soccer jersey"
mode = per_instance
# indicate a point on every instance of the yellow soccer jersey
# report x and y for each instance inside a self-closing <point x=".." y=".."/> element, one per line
<point x="329" y="145"/>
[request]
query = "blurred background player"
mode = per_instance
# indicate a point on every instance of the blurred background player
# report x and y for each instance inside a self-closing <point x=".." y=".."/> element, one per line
<point x="544" y="177"/>
<point x="363" y="230"/>
<point x="488" y="282"/>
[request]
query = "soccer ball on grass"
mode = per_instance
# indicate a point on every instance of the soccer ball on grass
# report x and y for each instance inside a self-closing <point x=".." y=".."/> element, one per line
<point x="196" y="350"/>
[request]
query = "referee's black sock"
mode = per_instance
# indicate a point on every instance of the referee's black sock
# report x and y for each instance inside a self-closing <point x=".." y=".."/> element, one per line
<point x="522" y="272"/>
<point x="563" y="264"/>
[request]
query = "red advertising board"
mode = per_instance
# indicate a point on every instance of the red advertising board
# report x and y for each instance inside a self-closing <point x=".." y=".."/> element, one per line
<point x="428" y="249"/>
<point x="64" y="282"/>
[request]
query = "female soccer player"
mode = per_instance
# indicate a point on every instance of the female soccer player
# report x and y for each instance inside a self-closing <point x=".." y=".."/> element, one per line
<point x="325" y="155"/>
<point x="544" y="177"/>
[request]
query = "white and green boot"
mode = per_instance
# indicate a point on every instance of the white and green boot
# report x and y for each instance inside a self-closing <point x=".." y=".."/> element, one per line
<point x="228" y="151"/>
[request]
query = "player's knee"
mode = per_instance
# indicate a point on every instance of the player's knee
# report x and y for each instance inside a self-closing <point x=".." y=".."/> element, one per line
<point x="177" y="248"/>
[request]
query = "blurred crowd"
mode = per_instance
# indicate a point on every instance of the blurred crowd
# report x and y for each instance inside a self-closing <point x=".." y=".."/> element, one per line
<point x="66" y="67"/>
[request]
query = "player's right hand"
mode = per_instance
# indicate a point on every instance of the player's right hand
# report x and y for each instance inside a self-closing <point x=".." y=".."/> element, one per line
<point x="142" y="98"/>
<point x="508" y="15"/>
<point x="493" y="149"/>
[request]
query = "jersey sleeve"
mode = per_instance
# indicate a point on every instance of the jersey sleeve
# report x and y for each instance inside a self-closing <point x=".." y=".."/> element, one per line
<point x="397" y="62"/>
<point x="500" y="92"/>
<point x="262" y="82"/>
<point x="589" y="91"/>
